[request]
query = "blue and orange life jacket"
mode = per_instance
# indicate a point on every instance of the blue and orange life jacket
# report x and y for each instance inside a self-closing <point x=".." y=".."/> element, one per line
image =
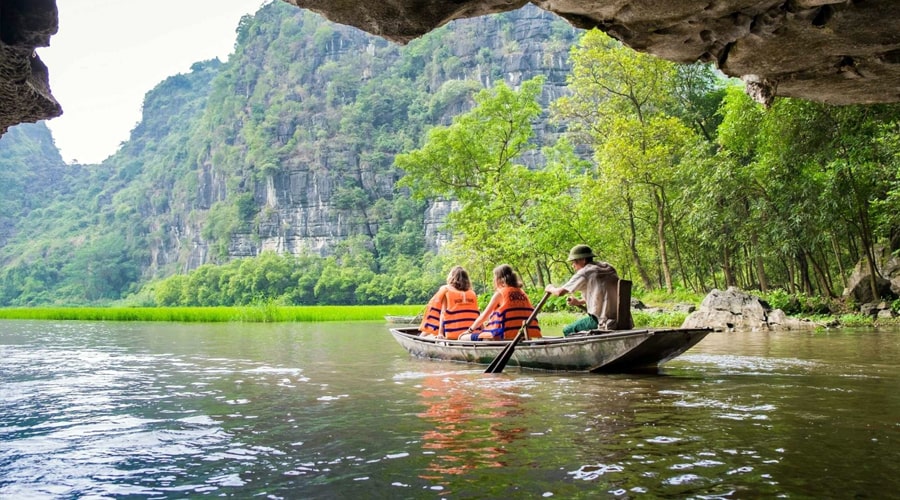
<point x="460" y="312"/>
<point x="512" y="311"/>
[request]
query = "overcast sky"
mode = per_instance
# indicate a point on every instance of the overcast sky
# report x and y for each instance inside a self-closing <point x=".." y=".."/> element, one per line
<point x="109" y="53"/>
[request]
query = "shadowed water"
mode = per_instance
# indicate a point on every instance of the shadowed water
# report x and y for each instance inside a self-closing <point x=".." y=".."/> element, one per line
<point x="136" y="410"/>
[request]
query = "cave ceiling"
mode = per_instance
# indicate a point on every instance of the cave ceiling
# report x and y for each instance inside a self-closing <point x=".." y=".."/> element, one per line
<point x="845" y="52"/>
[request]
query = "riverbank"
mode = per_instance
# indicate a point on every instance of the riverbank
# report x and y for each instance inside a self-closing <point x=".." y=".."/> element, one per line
<point x="265" y="313"/>
<point x="270" y="313"/>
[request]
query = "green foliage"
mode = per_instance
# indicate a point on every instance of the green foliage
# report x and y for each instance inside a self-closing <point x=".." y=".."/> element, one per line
<point x="476" y="161"/>
<point x="781" y="299"/>
<point x="346" y="278"/>
<point x="661" y="298"/>
<point x="856" y="320"/>
<point x="797" y="303"/>
<point x="670" y="319"/>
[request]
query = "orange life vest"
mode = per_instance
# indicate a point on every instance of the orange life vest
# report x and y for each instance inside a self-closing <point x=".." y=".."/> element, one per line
<point x="512" y="311"/>
<point x="460" y="312"/>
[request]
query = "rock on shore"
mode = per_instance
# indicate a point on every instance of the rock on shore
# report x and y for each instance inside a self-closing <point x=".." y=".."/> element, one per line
<point x="734" y="309"/>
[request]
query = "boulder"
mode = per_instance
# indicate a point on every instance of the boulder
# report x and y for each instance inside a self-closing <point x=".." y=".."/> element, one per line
<point x="685" y="308"/>
<point x="733" y="309"/>
<point x="887" y="284"/>
<point x="885" y="314"/>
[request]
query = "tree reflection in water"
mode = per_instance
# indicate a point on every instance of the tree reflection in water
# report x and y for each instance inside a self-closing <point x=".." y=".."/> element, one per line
<point x="471" y="423"/>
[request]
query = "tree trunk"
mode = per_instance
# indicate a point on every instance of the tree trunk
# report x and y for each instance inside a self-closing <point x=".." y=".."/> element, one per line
<point x="539" y="271"/>
<point x="726" y="266"/>
<point x="758" y="263"/>
<point x="685" y="276"/>
<point x="789" y="267"/>
<point x="803" y="269"/>
<point x="837" y="257"/>
<point x="632" y="245"/>
<point x="865" y="234"/>
<point x="824" y="285"/>
<point x="661" y="239"/>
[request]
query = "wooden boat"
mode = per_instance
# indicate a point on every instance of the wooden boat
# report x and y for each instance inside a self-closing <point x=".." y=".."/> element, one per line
<point x="594" y="351"/>
<point x="403" y="320"/>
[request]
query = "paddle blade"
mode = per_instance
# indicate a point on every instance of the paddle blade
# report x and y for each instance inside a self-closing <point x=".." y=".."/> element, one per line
<point x="500" y="361"/>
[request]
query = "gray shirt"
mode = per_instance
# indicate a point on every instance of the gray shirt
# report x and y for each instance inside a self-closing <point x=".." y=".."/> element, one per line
<point x="598" y="283"/>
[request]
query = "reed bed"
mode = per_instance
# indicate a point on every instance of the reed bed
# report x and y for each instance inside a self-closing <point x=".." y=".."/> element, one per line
<point x="272" y="313"/>
<point x="267" y="313"/>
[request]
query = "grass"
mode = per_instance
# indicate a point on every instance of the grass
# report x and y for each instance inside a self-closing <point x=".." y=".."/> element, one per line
<point x="264" y="313"/>
<point x="663" y="299"/>
<point x="670" y="319"/>
<point x="272" y="313"/>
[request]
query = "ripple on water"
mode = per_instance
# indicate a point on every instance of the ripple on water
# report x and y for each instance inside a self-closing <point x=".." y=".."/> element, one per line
<point x="592" y="472"/>
<point x="663" y="440"/>
<point x="751" y="365"/>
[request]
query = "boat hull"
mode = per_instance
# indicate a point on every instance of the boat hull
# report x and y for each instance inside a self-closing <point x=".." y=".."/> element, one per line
<point x="618" y="351"/>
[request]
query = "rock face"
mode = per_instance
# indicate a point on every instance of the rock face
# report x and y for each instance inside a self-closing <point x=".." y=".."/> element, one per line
<point x="733" y="309"/>
<point x="299" y="207"/>
<point x="825" y="50"/>
<point x="24" y="80"/>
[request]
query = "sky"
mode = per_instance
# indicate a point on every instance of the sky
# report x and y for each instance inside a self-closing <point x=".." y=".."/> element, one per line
<point x="109" y="53"/>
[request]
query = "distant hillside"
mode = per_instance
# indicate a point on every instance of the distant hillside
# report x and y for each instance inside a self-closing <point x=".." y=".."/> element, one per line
<point x="288" y="146"/>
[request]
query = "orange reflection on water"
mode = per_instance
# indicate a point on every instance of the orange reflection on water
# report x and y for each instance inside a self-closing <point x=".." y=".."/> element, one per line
<point x="471" y="423"/>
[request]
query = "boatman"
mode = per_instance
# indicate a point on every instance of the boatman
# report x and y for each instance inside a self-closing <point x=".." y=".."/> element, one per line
<point x="598" y="284"/>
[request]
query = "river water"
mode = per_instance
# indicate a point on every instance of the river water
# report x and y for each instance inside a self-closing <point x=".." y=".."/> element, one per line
<point x="138" y="410"/>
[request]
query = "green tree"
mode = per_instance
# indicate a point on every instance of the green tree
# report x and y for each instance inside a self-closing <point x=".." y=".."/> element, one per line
<point x="476" y="162"/>
<point x="622" y="103"/>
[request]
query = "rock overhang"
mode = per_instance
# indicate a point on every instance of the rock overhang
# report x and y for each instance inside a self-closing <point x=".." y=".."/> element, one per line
<point x="837" y="52"/>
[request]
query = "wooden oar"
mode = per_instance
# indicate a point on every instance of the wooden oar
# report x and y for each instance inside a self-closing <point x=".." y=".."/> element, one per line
<point x="500" y="361"/>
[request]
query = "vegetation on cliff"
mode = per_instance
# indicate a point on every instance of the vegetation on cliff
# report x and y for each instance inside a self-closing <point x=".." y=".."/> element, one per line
<point x="304" y="171"/>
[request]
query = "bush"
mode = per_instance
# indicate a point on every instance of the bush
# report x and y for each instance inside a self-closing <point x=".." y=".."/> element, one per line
<point x="661" y="298"/>
<point x="793" y="304"/>
<point x="850" y="320"/>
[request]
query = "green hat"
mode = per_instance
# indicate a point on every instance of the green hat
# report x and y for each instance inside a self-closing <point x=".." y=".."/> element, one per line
<point x="580" y="252"/>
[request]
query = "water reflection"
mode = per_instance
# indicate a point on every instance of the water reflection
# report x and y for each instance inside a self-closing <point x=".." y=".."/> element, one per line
<point x="470" y="423"/>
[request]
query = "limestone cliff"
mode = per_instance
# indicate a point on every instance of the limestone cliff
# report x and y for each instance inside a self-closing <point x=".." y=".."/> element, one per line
<point x="297" y="153"/>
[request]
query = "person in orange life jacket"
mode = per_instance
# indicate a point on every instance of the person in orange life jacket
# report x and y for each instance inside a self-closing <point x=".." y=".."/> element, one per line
<point x="452" y="308"/>
<point x="597" y="281"/>
<point x="506" y="312"/>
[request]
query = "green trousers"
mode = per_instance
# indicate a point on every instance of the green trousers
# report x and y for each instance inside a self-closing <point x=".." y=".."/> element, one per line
<point x="586" y="323"/>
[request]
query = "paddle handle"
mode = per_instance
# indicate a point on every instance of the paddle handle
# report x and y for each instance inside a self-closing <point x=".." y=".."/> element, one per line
<point x="500" y="361"/>
<point x="534" y="314"/>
